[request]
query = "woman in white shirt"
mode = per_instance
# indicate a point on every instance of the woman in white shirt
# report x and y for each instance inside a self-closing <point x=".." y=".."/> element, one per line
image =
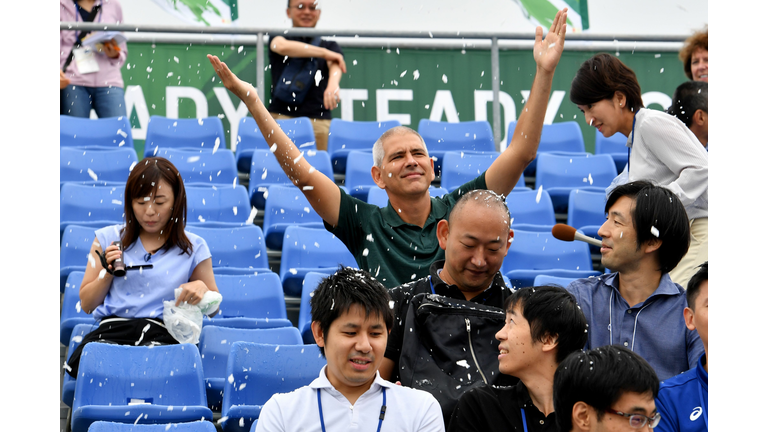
<point x="661" y="148"/>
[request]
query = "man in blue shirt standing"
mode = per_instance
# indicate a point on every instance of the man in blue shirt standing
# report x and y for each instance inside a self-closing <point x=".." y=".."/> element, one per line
<point x="645" y="235"/>
<point x="683" y="400"/>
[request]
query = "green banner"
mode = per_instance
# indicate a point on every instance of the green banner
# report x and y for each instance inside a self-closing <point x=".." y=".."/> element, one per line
<point x="177" y="80"/>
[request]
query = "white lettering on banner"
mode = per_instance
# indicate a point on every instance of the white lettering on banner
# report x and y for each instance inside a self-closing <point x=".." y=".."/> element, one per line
<point x="444" y="103"/>
<point x="233" y="115"/>
<point x="383" y="96"/>
<point x="552" y="107"/>
<point x="483" y="97"/>
<point x="348" y="98"/>
<point x="654" y="97"/>
<point x="134" y="98"/>
<point x="173" y="94"/>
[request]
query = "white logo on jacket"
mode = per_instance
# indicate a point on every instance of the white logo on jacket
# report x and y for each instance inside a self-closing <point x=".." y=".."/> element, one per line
<point x="696" y="413"/>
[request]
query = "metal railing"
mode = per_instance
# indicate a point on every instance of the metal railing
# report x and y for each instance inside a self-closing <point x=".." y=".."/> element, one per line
<point x="404" y="39"/>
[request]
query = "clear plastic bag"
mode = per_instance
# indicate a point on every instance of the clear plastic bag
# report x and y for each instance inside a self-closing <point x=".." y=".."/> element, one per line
<point x="185" y="322"/>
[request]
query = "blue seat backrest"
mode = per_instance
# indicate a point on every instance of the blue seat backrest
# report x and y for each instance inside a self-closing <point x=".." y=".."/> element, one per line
<point x="287" y="204"/>
<point x="217" y="204"/>
<point x="313" y="248"/>
<point x="359" y="164"/>
<point x="461" y="167"/>
<point x="76" y="245"/>
<point x="311" y="280"/>
<point x="216" y="343"/>
<point x="299" y="131"/>
<point x="466" y="136"/>
<point x="195" y="426"/>
<point x="569" y="171"/>
<point x="557" y="137"/>
<point x="530" y="207"/>
<point x="88" y="203"/>
<point x="586" y="208"/>
<point x="193" y="133"/>
<point x="356" y="135"/>
<point x="615" y="144"/>
<point x="266" y="369"/>
<point x="85" y="165"/>
<point x="541" y="250"/>
<point x="541" y="280"/>
<point x="251" y="296"/>
<point x="104" y="132"/>
<point x="234" y="247"/>
<point x="205" y="167"/>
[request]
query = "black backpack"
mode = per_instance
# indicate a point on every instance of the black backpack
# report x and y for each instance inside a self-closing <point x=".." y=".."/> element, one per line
<point x="297" y="78"/>
<point x="449" y="347"/>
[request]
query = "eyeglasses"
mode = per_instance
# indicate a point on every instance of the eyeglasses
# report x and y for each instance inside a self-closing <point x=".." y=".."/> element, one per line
<point x="312" y="7"/>
<point x="637" y="421"/>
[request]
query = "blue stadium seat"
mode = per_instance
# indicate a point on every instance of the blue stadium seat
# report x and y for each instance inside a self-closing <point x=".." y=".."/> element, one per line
<point x="249" y="138"/>
<point x="358" y="176"/>
<point x="105" y="132"/>
<point x="90" y="205"/>
<point x="468" y="136"/>
<point x="227" y="205"/>
<point x="87" y="165"/>
<point x="379" y="197"/>
<point x="564" y="137"/>
<point x="73" y="256"/>
<point x="71" y="312"/>
<point x="586" y="213"/>
<point x="616" y="146"/>
<point x="460" y="167"/>
<point x="265" y="171"/>
<point x="202" y="166"/>
<point x="310" y="249"/>
<point x="560" y="174"/>
<point x="261" y="370"/>
<point x="68" y="383"/>
<point x="246" y="297"/>
<point x="215" y="344"/>
<point x="287" y="206"/>
<point x="195" y="426"/>
<point x="525" y="278"/>
<point x="239" y="249"/>
<point x="552" y="280"/>
<point x="345" y="136"/>
<point x="526" y="207"/>
<point x="311" y="280"/>
<point x="195" y="134"/>
<point x="534" y="253"/>
<point x="112" y="379"/>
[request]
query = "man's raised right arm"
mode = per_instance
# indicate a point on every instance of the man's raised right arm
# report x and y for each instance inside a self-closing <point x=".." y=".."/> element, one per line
<point x="321" y="192"/>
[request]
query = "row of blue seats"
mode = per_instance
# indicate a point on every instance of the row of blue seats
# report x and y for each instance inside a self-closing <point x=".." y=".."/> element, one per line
<point x="558" y="174"/>
<point x="230" y="359"/>
<point x="344" y="136"/>
<point x="166" y="384"/>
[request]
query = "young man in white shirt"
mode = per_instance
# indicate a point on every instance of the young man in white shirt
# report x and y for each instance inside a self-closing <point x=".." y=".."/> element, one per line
<point x="351" y="319"/>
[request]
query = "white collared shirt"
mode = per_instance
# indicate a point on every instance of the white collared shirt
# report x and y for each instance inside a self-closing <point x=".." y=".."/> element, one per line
<point x="408" y="409"/>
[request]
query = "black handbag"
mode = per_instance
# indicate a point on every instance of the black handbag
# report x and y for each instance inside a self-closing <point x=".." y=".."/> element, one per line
<point x="297" y="78"/>
<point x="449" y="347"/>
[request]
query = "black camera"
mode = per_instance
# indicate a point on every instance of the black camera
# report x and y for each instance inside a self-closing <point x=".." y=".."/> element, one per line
<point x="118" y="266"/>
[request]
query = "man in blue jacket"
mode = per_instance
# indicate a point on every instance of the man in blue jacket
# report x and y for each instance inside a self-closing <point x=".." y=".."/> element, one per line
<point x="683" y="399"/>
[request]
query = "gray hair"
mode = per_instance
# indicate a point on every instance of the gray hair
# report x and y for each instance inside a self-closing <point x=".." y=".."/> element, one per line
<point x="378" y="146"/>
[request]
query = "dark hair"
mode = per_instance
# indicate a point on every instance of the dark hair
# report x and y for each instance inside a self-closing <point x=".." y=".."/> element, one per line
<point x="551" y="310"/>
<point x="689" y="97"/>
<point x="699" y="39"/>
<point x="695" y="283"/>
<point x="489" y="197"/>
<point x="143" y="182"/>
<point x="599" y="378"/>
<point x="601" y="77"/>
<point x="657" y="207"/>
<point x="336" y="293"/>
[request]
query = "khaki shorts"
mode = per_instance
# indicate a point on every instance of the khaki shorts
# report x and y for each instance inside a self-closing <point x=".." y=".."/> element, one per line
<point x="321" y="128"/>
<point x="698" y="253"/>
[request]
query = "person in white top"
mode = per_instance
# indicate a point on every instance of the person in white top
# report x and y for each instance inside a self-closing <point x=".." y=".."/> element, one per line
<point x="662" y="149"/>
<point x="351" y="319"/>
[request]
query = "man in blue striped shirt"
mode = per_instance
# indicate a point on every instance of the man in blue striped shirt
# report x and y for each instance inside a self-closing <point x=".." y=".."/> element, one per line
<point x="645" y="235"/>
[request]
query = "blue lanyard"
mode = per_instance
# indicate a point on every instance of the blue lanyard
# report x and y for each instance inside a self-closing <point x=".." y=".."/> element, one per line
<point x="381" y="413"/>
<point x="629" y="149"/>
<point x="703" y="408"/>
<point x="525" y="422"/>
<point x="430" y="284"/>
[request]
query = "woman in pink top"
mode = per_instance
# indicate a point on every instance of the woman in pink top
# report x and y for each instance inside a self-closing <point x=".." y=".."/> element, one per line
<point x="94" y="75"/>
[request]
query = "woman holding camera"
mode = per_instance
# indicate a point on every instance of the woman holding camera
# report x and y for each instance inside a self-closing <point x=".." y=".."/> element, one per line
<point x="130" y="307"/>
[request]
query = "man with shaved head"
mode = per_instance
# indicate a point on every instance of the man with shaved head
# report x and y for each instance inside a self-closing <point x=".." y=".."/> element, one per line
<point x="475" y="238"/>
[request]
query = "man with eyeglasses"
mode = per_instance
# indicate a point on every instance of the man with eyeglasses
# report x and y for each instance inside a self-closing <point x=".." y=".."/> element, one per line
<point x="323" y="95"/>
<point x="605" y="389"/>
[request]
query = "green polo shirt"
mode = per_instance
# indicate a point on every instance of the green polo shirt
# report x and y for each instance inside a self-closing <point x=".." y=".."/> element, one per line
<point x="393" y="251"/>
